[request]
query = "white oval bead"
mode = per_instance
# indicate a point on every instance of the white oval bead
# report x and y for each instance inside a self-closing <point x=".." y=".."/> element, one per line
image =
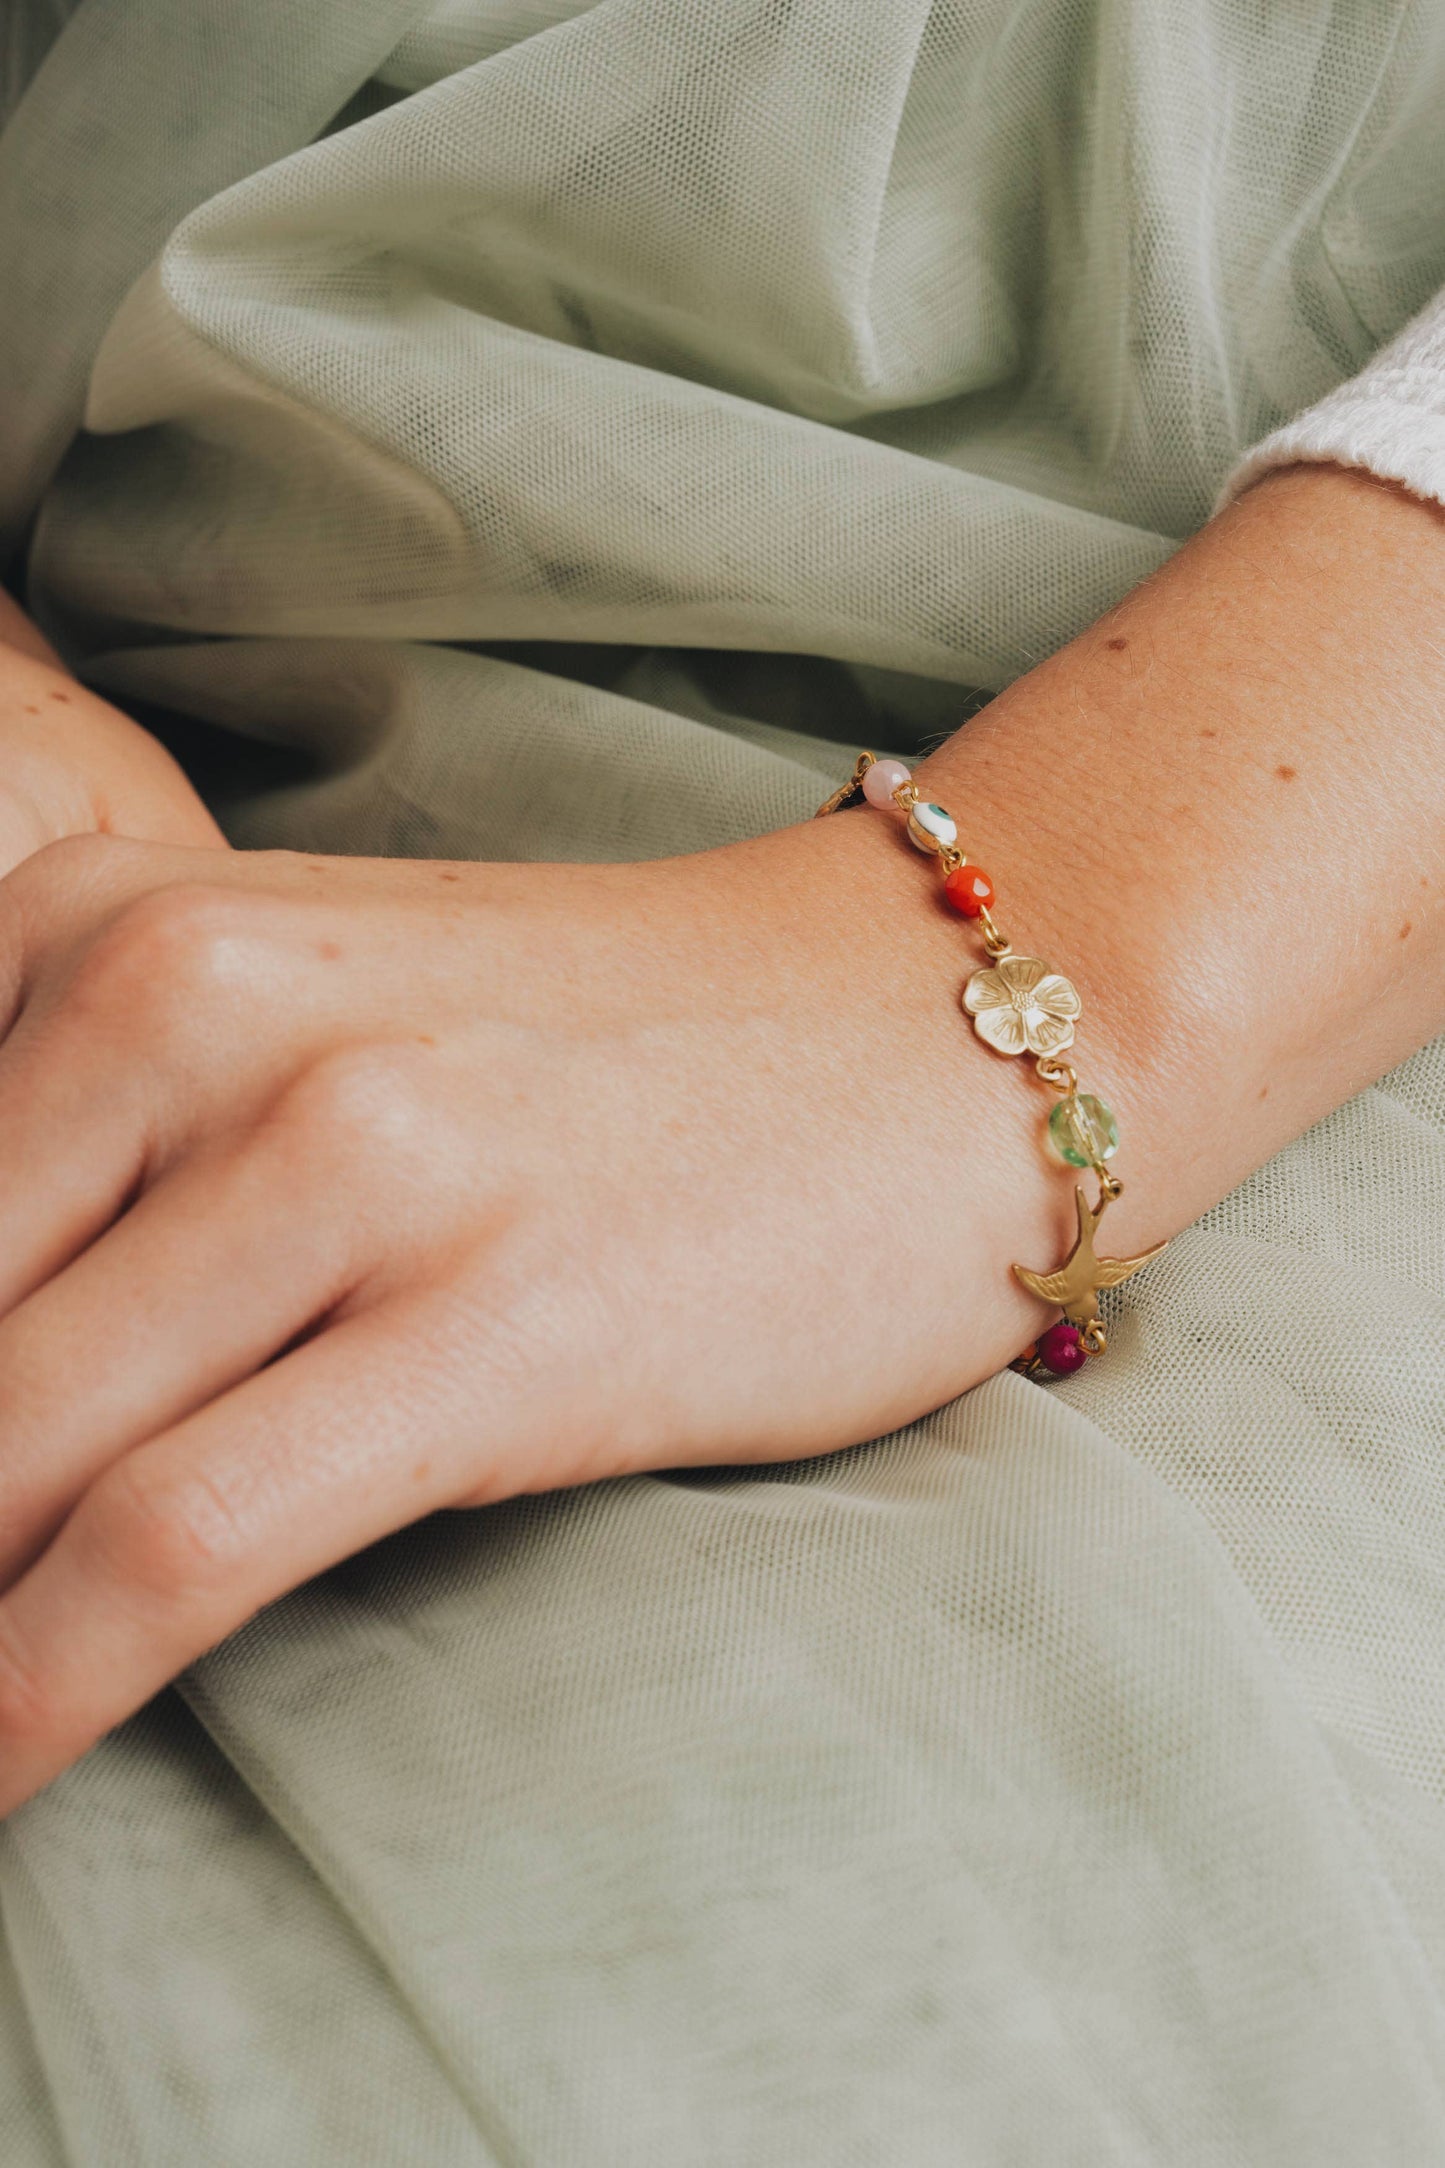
<point x="930" y="828"/>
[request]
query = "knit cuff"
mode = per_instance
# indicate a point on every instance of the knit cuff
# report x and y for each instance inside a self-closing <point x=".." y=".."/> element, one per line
<point x="1389" y="420"/>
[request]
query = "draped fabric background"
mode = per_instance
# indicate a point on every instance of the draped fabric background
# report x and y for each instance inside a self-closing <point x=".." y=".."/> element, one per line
<point x="532" y="429"/>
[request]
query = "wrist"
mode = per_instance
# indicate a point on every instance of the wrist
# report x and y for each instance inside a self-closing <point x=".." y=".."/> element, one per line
<point x="951" y="1134"/>
<point x="1037" y="1095"/>
<point x="1069" y="889"/>
<point x="1218" y="812"/>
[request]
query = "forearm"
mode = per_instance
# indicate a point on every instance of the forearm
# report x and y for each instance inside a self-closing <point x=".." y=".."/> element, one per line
<point x="1221" y="812"/>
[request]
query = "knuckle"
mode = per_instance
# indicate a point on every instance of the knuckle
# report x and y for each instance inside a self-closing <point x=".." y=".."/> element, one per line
<point x="361" y="1096"/>
<point x="160" y="952"/>
<point x="58" y="883"/>
<point x="162" y="1537"/>
<point x="74" y="864"/>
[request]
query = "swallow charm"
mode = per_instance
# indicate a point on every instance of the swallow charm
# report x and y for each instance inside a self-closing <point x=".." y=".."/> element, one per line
<point x="1074" y="1288"/>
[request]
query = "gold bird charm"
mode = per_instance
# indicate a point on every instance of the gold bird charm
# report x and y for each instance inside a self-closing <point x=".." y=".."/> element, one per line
<point x="1074" y="1288"/>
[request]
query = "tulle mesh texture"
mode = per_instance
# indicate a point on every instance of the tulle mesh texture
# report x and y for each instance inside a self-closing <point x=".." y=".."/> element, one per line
<point x="524" y="430"/>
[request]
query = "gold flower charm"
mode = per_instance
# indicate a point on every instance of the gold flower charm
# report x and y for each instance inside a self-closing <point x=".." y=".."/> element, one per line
<point x="1019" y="1006"/>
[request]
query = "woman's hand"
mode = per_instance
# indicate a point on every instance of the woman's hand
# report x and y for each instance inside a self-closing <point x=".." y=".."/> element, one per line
<point x="339" y="1191"/>
<point x="335" y="1192"/>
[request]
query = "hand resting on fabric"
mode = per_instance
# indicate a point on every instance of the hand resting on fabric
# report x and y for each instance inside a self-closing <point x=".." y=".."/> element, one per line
<point x="340" y="1191"/>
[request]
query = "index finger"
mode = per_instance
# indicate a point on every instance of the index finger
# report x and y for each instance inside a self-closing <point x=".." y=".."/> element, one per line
<point x="187" y="1537"/>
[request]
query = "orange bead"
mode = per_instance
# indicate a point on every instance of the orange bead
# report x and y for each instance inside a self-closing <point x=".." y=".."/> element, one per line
<point x="969" y="890"/>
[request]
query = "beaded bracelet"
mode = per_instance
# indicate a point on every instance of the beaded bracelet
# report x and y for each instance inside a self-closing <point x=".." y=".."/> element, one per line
<point x="1020" y="1006"/>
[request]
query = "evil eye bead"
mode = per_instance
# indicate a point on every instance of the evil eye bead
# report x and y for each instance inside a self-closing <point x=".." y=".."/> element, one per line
<point x="930" y="828"/>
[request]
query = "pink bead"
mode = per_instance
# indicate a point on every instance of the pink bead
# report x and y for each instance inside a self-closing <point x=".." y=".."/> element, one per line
<point x="882" y="779"/>
<point x="1061" y="1350"/>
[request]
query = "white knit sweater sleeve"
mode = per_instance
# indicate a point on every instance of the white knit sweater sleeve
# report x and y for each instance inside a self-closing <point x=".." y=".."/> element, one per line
<point x="1390" y="418"/>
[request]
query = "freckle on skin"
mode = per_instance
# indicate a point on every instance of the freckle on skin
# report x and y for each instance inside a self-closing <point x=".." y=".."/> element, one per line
<point x="451" y="876"/>
<point x="63" y="698"/>
<point x="424" y="1038"/>
<point x="1209" y="733"/>
<point x="1264" y="1091"/>
<point x="1404" y="930"/>
<point x="32" y="711"/>
<point x="1118" y="645"/>
<point x="1286" y="775"/>
<point x="328" y="951"/>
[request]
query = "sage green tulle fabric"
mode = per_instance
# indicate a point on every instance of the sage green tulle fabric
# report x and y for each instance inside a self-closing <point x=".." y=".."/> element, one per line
<point x="532" y="429"/>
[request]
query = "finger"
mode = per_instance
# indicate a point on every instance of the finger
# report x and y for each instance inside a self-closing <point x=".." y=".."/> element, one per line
<point x="187" y="1294"/>
<point x="86" y="1097"/>
<point x="77" y="1128"/>
<point x="142" y="1038"/>
<point x="185" y="1538"/>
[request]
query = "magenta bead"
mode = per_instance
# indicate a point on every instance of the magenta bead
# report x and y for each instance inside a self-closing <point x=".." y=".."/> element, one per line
<point x="1061" y="1350"/>
<point x="882" y="779"/>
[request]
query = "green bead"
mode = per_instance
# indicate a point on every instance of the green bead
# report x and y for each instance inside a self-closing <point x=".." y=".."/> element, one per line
<point x="1083" y="1131"/>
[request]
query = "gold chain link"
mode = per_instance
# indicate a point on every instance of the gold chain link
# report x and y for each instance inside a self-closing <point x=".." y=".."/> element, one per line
<point x="1060" y="1074"/>
<point x="995" y="940"/>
